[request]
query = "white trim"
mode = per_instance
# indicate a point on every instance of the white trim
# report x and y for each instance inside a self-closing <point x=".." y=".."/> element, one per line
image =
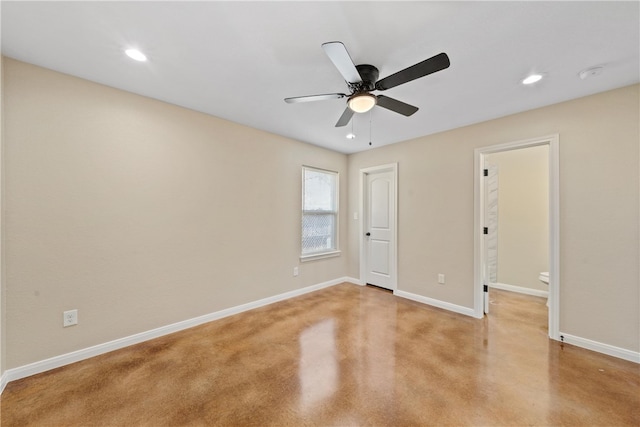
<point x="393" y="167"/>
<point x="519" y="289"/>
<point x="322" y="255"/>
<point x="333" y="252"/>
<point x="66" y="359"/>
<point x="553" y="141"/>
<point x="585" y="343"/>
<point x="554" y="237"/>
<point x="354" y="281"/>
<point x="436" y="303"/>
<point x="610" y="350"/>
<point x="3" y="382"/>
<point x="86" y="353"/>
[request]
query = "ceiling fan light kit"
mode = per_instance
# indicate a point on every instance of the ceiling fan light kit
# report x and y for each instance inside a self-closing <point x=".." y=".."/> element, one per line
<point x="363" y="79"/>
<point x="362" y="102"/>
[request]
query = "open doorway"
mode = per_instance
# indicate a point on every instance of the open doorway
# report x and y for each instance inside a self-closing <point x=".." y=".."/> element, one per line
<point x="514" y="250"/>
<point x="518" y="220"/>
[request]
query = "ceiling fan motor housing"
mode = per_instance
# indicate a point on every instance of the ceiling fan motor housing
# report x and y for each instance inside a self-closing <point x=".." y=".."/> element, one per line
<point x="369" y="75"/>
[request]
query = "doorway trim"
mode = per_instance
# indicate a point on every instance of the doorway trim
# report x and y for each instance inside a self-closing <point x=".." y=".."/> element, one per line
<point x="553" y="142"/>
<point x="393" y="167"/>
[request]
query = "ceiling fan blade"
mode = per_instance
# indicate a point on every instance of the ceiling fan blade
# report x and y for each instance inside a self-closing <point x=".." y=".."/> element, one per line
<point x="396" y="106"/>
<point x="310" y="98"/>
<point x="338" y="54"/>
<point x="421" y="69"/>
<point x="345" y="117"/>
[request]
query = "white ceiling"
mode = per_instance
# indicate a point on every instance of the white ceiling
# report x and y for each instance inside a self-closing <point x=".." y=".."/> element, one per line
<point x="239" y="60"/>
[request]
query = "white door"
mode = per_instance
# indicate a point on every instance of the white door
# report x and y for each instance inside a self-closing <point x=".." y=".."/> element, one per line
<point x="490" y="229"/>
<point x="379" y="228"/>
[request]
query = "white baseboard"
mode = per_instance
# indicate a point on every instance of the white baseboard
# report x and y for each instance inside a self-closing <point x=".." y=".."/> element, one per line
<point x="354" y="281"/>
<point x="3" y="382"/>
<point x="86" y="353"/>
<point x="76" y="356"/>
<point x="621" y="353"/>
<point x="520" y="289"/>
<point x="436" y="303"/>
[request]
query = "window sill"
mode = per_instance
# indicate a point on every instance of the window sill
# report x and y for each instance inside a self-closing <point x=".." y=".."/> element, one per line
<point x="322" y="255"/>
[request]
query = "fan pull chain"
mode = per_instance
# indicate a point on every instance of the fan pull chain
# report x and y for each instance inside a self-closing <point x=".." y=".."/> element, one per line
<point x="370" y="114"/>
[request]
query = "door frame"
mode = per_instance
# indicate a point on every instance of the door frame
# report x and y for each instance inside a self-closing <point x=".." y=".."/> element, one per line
<point x="390" y="167"/>
<point x="553" y="142"/>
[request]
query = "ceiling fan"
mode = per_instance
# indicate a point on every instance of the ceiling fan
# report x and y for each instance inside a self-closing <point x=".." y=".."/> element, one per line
<point x="363" y="79"/>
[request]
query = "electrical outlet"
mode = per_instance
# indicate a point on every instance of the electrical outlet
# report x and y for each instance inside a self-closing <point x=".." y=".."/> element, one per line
<point x="441" y="279"/>
<point x="295" y="271"/>
<point x="69" y="318"/>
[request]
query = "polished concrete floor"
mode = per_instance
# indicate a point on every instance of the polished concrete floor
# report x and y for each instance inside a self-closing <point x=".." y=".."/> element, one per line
<point x="343" y="356"/>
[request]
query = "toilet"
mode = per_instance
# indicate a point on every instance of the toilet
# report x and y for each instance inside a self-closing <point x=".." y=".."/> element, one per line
<point x="544" y="278"/>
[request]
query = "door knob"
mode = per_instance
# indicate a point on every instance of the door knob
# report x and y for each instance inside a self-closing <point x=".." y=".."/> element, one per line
<point x="368" y="234"/>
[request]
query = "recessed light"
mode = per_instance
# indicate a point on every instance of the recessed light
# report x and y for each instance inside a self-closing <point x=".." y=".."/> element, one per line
<point x="351" y="135"/>
<point x="136" y="54"/>
<point x="532" y="79"/>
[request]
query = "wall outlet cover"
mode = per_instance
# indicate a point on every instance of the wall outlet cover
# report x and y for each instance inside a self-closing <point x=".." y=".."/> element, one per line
<point x="69" y="318"/>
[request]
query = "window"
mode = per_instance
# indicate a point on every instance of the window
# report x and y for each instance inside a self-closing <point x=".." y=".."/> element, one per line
<point x="319" y="213"/>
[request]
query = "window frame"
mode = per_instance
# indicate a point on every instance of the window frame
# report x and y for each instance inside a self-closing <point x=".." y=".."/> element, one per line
<point x="328" y="253"/>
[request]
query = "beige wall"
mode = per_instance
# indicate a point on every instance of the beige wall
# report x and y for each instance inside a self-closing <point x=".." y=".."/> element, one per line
<point x="523" y="215"/>
<point x="599" y="174"/>
<point x="140" y="214"/>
